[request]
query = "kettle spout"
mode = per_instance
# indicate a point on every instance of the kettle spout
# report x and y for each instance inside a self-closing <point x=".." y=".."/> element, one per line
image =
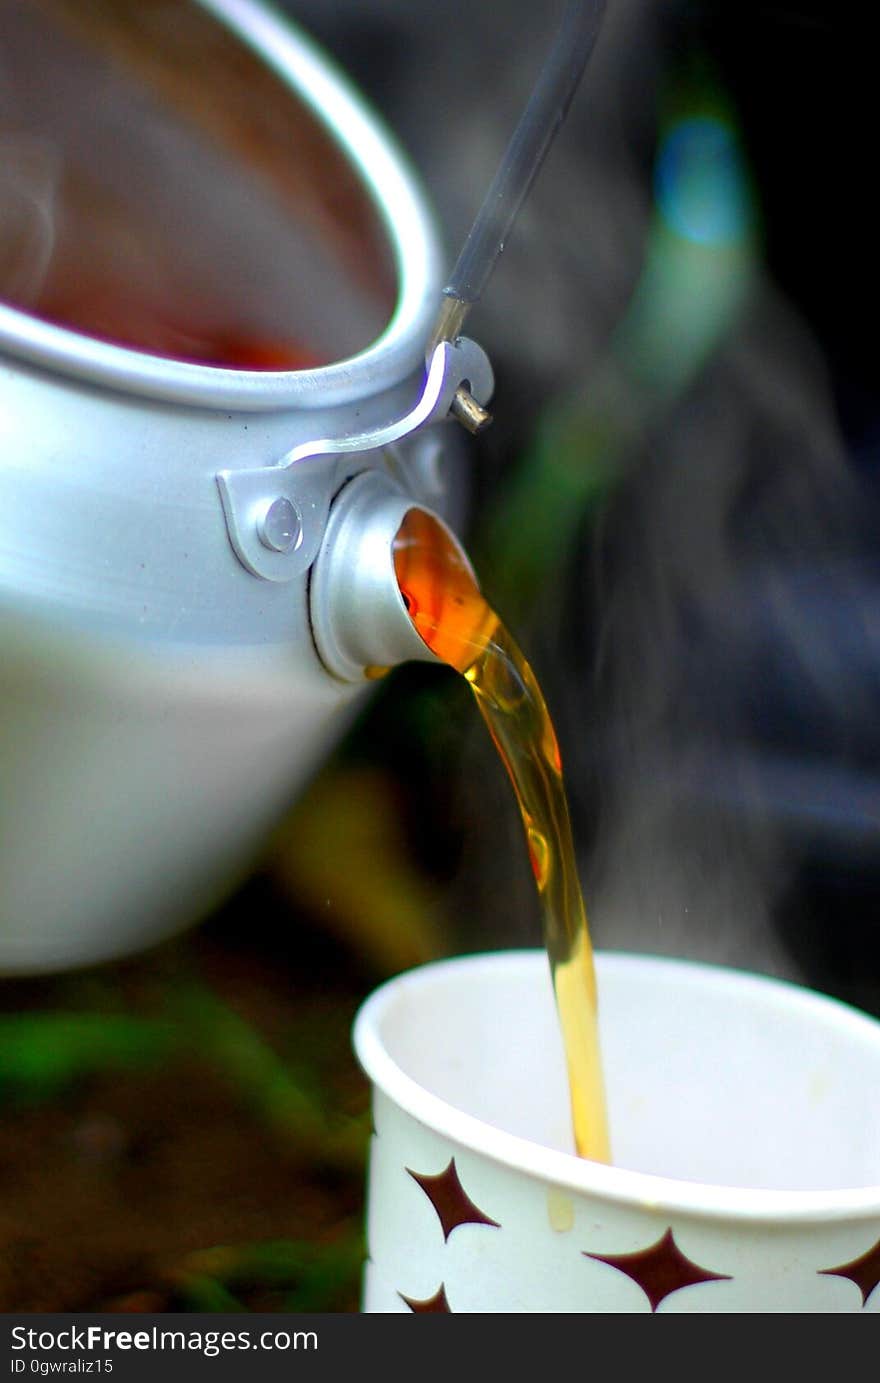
<point x="360" y="619"/>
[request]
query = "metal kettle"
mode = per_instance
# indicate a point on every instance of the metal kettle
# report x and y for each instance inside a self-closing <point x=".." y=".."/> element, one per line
<point x="195" y="553"/>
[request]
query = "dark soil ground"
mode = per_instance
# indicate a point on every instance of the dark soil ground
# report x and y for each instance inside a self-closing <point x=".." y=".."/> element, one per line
<point x="198" y="1142"/>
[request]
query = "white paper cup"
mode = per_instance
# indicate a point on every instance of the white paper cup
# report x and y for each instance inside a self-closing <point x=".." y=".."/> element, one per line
<point x="745" y="1129"/>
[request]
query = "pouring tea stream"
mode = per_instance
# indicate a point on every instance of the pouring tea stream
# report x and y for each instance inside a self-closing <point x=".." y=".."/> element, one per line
<point x="354" y="610"/>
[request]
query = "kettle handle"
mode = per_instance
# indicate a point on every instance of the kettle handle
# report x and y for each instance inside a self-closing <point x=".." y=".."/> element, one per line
<point x="297" y="490"/>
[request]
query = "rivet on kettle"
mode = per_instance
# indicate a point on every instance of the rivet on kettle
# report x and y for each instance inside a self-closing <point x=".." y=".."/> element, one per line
<point x="280" y="526"/>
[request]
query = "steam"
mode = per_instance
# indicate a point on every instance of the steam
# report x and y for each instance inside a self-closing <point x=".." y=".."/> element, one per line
<point x="29" y="178"/>
<point x="722" y="569"/>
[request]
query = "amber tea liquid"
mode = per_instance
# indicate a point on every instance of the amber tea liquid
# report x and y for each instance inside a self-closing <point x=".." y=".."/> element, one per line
<point x="457" y="624"/>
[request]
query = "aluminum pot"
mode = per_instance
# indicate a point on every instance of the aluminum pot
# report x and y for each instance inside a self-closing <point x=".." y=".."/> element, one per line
<point x="161" y="510"/>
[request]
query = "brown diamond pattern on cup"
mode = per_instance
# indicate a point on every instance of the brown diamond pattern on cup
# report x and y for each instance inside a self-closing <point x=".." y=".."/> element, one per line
<point x="447" y="1195"/>
<point x="660" y="1269"/>
<point x="863" y="1271"/>
<point x="437" y="1302"/>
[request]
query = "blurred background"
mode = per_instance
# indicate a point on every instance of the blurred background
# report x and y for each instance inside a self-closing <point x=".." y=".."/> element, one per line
<point x="675" y="509"/>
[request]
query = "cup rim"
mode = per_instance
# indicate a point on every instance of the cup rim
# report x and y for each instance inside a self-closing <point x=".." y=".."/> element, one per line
<point x="398" y="200"/>
<point x="571" y="1173"/>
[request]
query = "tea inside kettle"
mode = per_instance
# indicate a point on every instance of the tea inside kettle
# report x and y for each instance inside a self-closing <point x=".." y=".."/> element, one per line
<point x="162" y="189"/>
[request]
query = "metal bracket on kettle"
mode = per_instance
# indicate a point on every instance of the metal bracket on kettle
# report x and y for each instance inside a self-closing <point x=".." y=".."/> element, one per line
<point x="276" y="515"/>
